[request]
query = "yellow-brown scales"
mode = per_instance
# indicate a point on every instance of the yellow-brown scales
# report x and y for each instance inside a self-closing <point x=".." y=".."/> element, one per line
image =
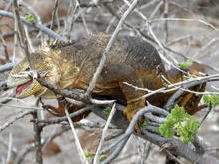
<point x="131" y="60"/>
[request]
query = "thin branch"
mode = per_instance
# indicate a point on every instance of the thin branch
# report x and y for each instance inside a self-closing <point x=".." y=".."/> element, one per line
<point x="61" y="119"/>
<point x="76" y="94"/>
<point x="27" y="149"/>
<point x="179" y="39"/>
<point x="4" y="45"/>
<point x="32" y="10"/>
<point x="78" y="145"/>
<point x="22" y="39"/>
<point x="197" y="80"/>
<point x="54" y="13"/>
<point x="170" y="103"/>
<point x="116" y="152"/>
<point x="37" y="136"/>
<point x="156" y="9"/>
<point x="165" y="15"/>
<point x="40" y="27"/>
<point x="170" y="156"/>
<point x="197" y="54"/>
<point x="97" y="154"/>
<point x="10" y="141"/>
<point x="187" y="20"/>
<point x="20" y="157"/>
<point x="29" y="41"/>
<point x="13" y="120"/>
<point x="6" y="67"/>
<point x="15" y="49"/>
<point x="198" y="145"/>
<point x="206" y="114"/>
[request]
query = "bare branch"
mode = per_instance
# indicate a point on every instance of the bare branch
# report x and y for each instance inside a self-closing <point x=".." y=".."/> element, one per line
<point x="40" y="27"/>
<point x="6" y="67"/>
<point x="78" y="145"/>
<point x="4" y="44"/>
<point x="76" y="94"/>
<point x="22" y="39"/>
<point x="177" y="94"/>
<point x="61" y="119"/>
<point x="37" y="136"/>
<point x="188" y="20"/>
<point x="20" y="157"/>
<point x="54" y="13"/>
<point x="9" y="148"/>
<point x="96" y="157"/>
<point x="9" y="123"/>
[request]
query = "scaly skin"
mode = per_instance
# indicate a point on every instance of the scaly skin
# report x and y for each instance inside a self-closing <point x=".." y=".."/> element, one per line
<point x="130" y="60"/>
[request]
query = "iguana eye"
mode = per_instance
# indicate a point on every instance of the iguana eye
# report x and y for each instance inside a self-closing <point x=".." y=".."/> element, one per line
<point x="27" y="69"/>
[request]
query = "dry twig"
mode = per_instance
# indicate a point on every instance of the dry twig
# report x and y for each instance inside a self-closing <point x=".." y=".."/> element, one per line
<point x="77" y="142"/>
<point x="97" y="154"/>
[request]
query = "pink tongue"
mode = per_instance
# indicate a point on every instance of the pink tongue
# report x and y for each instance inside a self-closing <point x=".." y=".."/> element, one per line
<point x="22" y="87"/>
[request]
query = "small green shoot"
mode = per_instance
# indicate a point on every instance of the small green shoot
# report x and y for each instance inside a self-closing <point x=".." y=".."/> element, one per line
<point x="102" y="158"/>
<point x="59" y="32"/>
<point x="211" y="99"/>
<point x="184" y="65"/>
<point x="106" y="112"/>
<point x="181" y="123"/>
<point x="90" y="155"/>
<point x="187" y="131"/>
<point x="144" y="123"/>
<point x="30" y="18"/>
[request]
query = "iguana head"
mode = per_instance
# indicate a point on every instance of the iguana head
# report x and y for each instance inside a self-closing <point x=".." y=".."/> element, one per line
<point x="25" y="85"/>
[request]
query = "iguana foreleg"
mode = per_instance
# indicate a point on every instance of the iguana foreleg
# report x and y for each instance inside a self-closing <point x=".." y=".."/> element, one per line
<point x="131" y="93"/>
<point x="133" y="106"/>
<point x="120" y="73"/>
<point x="60" y="110"/>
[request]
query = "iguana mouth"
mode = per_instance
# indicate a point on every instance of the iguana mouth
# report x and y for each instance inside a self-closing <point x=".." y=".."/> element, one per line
<point x="22" y="87"/>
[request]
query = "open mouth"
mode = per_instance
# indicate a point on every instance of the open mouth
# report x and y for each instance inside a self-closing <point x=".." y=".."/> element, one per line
<point x="22" y="87"/>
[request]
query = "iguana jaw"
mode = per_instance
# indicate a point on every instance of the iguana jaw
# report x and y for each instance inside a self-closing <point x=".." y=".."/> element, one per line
<point x="24" y="86"/>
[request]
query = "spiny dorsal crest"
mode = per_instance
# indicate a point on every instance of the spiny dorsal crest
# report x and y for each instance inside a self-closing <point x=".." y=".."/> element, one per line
<point x="60" y="44"/>
<point x="52" y="45"/>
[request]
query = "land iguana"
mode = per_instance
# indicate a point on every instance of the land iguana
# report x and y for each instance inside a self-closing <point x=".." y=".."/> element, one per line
<point x="131" y="60"/>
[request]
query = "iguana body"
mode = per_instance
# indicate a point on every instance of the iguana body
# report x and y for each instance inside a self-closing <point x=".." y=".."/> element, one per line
<point x="130" y="60"/>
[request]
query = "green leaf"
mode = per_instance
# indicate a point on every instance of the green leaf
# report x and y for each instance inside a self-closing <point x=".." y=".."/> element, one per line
<point x="184" y="65"/>
<point x="102" y="158"/>
<point x="144" y="123"/>
<point x="178" y="113"/>
<point x="106" y="112"/>
<point x="89" y="155"/>
<point x="170" y="122"/>
<point x="30" y="18"/>
<point x="181" y="123"/>
<point x="166" y="131"/>
<point x="192" y="126"/>
<point x="187" y="139"/>
<point x="59" y="32"/>
<point x="212" y="99"/>
<point x="186" y="135"/>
